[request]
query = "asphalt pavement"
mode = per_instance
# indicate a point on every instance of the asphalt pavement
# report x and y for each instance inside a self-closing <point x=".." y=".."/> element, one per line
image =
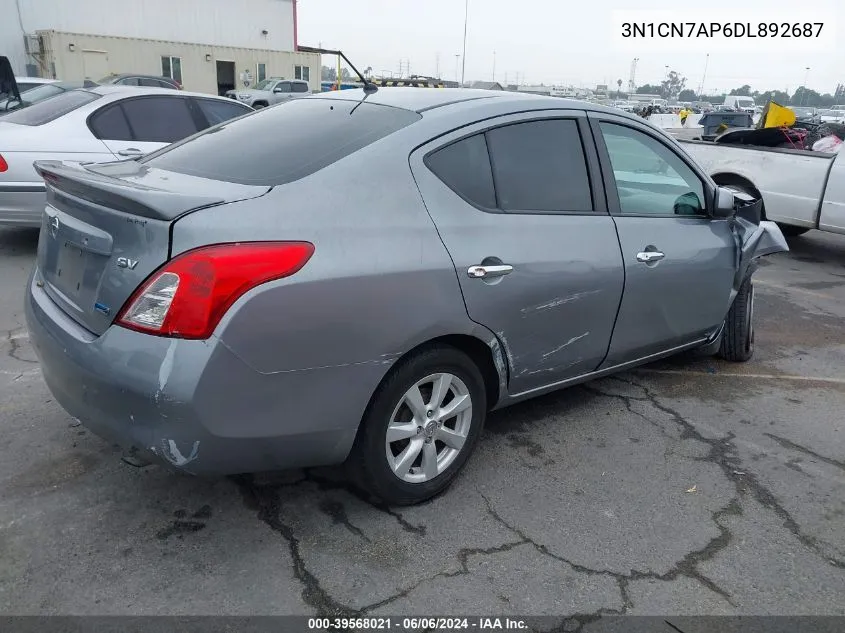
<point x="692" y="486"/>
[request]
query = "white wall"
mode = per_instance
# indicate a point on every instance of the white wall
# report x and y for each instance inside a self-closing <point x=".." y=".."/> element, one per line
<point x="229" y="23"/>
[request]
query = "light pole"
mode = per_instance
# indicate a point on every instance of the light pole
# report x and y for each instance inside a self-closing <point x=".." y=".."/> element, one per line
<point x="464" y="58"/>
<point x="457" y="66"/>
<point x="494" y="66"/>
<point x="804" y="87"/>
<point x="704" y="76"/>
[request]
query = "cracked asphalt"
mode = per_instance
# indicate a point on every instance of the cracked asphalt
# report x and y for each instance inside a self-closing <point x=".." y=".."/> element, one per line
<point x="691" y="486"/>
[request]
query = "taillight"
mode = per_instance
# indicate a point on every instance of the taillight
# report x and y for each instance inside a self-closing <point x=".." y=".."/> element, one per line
<point x="188" y="296"/>
<point x="4" y="166"/>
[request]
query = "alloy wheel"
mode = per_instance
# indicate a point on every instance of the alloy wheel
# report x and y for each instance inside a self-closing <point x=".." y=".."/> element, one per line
<point x="428" y="428"/>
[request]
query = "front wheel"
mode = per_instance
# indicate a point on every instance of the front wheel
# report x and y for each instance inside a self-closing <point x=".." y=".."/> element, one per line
<point x="258" y="106"/>
<point x="738" y="336"/>
<point x="421" y="427"/>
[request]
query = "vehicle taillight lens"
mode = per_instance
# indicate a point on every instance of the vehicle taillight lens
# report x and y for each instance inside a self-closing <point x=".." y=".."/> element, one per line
<point x="4" y="166"/>
<point x="188" y="296"/>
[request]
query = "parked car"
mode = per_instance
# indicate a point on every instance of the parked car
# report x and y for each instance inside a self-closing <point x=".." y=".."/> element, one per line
<point x="39" y="93"/>
<point x="832" y="116"/>
<point x="149" y="81"/>
<point x="28" y="83"/>
<point x="270" y="92"/>
<point x="800" y="189"/>
<point x="361" y="277"/>
<point x="807" y="115"/>
<point x="97" y="124"/>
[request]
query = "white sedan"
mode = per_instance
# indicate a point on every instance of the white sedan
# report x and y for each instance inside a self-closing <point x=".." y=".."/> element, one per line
<point x="100" y="124"/>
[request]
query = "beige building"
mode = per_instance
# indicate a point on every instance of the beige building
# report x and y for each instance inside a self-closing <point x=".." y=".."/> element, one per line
<point x="207" y="45"/>
<point x="198" y="67"/>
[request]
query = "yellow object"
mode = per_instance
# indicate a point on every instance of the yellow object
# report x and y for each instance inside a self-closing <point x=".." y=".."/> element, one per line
<point x="776" y="115"/>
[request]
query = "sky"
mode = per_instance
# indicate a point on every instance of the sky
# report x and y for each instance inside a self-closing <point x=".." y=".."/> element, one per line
<point x="571" y="42"/>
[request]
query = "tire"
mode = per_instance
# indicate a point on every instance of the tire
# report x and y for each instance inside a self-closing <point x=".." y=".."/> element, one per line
<point x="738" y="337"/>
<point x="789" y="230"/>
<point x="258" y="106"/>
<point x="374" y="463"/>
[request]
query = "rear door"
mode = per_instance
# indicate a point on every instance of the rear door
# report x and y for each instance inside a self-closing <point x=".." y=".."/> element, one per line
<point x="139" y="125"/>
<point x="518" y="203"/>
<point x="679" y="262"/>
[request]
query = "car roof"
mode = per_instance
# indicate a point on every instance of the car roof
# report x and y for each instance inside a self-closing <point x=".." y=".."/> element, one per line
<point x="422" y="99"/>
<point x="124" y="75"/>
<point x="118" y="91"/>
<point x="35" y="80"/>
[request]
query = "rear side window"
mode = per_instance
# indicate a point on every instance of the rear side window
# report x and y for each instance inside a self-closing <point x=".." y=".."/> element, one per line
<point x="283" y="143"/>
<point x="159" y="119"/>
<point x="220" y="111"/>
<point x="540" y="166"/>
<point x="110" y="124"/>
<point x="465" y="167"/>
<point x="298" y="87"/>
<point x="51" y="109"/>
<point x="129" y="81"/>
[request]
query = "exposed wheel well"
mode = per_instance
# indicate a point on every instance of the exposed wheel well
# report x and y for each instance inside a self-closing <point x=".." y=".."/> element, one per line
<point x="739" y="181"/>
<point x="479" y="353"/>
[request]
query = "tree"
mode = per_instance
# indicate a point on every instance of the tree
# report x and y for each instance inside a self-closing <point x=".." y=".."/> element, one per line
<point x="778" y="96"/>
<point x="744" y="91"/>
<point x="805" y="97"/>
<point x="328" y="74"/>
<point x="687" y="95"/>
<point x="648" y="89"/>
<point x="672" y="86"/>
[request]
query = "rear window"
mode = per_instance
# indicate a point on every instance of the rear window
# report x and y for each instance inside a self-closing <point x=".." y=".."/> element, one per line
<point x="283" y="143"/>
<point x="51" y="109"/>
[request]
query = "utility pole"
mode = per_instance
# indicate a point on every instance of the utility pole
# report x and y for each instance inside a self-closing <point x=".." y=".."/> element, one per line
<point x="704" y="76"/>
<point x="804" y="91"/>
<point x="457" y="65"/>
<point x="494" y="66"/>
<point x="437" y="71"/>
<point x="464" y="58"/>
<point x="632" y="87"/>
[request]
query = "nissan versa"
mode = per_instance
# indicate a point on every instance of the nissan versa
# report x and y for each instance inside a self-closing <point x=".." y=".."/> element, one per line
<point x="360" y="277"/>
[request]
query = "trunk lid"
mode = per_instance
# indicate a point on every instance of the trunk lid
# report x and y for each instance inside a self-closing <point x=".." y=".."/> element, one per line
<point x="106" y="228"/>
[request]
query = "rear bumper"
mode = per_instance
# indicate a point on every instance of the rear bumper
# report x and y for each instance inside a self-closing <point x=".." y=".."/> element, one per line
<point x="22" y="205"/>
<point x="192" y="405"/>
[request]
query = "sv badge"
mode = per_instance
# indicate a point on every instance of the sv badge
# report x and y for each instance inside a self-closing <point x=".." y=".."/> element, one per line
<point x="125" y="262"/>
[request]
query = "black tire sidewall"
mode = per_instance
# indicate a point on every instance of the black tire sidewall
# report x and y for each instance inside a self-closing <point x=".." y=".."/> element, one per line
<point x="378" y="478"/>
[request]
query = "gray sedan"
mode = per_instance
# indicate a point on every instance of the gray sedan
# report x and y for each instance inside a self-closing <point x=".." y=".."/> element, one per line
<point x="360" y="278"/>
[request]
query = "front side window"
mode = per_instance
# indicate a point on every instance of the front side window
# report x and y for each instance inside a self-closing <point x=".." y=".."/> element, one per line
<point x="651" y="179"/>
<point x="282" y="86"/>
<point x="172" y="67"/>
<point x="129" y="81"/>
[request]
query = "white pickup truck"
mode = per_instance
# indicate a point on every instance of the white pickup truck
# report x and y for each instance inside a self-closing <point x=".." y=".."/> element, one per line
<point x="801" y="190"/>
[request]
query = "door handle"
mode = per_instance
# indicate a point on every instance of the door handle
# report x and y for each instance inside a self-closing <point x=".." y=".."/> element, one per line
<point x="488" y="272"/>
<point x="130" y="151"/>
<point x="650" y="256"/>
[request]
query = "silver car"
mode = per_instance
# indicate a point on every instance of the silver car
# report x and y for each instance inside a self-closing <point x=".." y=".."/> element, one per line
<point x="98" y="124"/>
<point x="361" y="278"/>
<point x="270" y="92"/>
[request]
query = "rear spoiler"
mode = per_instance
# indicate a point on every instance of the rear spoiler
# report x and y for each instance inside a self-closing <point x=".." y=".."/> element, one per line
<point x="118" y="193"/>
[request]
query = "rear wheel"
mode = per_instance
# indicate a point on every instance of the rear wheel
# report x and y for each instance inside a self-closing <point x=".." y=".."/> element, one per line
<point x="420" y="427"/>
<point x="258" y="106"/>
<point x="738" y="336"/>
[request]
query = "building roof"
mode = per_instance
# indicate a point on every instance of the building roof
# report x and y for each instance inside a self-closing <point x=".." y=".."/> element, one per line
<point x="486" y="85"/>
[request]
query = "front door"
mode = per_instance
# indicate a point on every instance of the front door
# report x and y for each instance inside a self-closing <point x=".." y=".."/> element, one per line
<point x="519" y="206"/>
<point x="679" y="262"/>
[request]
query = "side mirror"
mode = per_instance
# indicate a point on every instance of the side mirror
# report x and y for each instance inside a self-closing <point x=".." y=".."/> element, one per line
<point x="724" y="204"/>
